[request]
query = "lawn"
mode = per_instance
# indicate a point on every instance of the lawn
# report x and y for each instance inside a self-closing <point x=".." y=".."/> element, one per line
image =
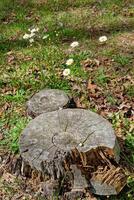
<point x="100" y="78"/>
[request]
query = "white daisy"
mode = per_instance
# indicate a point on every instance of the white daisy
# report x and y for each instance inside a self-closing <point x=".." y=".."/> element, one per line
<point x="31" y="35"/>
<point x="66" y="72"/>
<point x="74" y="44"/>
<point x="26" y="36"/>
<point x="45" y="37"/>
<point x="69" y="61"/>
<point x="34" y="30"/>
<point x="103" y="39"/>
<point x="31" y="40"/>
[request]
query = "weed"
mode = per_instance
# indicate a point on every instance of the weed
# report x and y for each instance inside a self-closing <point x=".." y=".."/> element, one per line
<point x="122" y="60"/>
<point x="101" y="78"/>
<point x="130" y="141"/>
<point x="15" y="132"/>
<point x="17" y="97"/>
<point x="130" y="91"/>
<point x="54" y="82"/>
<point x="111" y="100"/>
<point x="11" y="137"/>
<point x="130" y="183"/>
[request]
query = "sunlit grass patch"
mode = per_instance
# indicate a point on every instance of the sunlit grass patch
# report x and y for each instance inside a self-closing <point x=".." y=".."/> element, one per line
<point x="16" y="123"/>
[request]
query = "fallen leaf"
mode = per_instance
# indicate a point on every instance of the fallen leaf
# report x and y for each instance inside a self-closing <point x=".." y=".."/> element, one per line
<point x="90" y="63"/>
<point x="91" y="86"/>
<point x="8" y="177"/>
<point x="1" y="136"/>
<point x="10" y="59"/>
<point x="90" y="196"/>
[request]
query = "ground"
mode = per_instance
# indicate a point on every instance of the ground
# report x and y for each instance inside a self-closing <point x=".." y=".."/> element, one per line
<point x="100" y="79"/>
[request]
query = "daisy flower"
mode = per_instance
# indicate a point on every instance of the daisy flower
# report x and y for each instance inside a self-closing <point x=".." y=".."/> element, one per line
<point x="103" y="39"/>
<point x="69" y="61"/>
<point x="31" y="40"/>
<point x="34" y="30"/>
<point x="31" y="35"/>
<point x="26" y="36"/>
<point x="74" y="44"/>
<point x="66" y="72"/>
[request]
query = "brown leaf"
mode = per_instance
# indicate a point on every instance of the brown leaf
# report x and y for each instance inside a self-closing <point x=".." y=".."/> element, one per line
<point x="76" y="87"/>
<point x="1" y="136"/>
<point x="8" y="177"/>
<point x="91" y="86"/>
<point x="1" y="112"/>
<point x="90" y="63"/>
<point x="87" y="63"/>
<point x="79" y="103"/>
<point x="90" y="196"/>
<point x="97" y="62"/>
<point x="10" y="59"/>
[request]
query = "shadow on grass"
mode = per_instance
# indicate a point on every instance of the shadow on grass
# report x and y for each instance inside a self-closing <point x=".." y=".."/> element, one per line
<point x="8" y="45"/>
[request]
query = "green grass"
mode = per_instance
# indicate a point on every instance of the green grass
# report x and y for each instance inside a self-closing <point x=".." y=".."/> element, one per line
<point x="26" y="69"/>
<point x="130" y="91"/>
<point x="101" y="77"/>
<point x="122" y="60"/>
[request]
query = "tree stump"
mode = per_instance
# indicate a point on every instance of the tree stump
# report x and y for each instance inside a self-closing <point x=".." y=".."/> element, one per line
<point x="54" y="142"/>
<point x="47" y="100"/>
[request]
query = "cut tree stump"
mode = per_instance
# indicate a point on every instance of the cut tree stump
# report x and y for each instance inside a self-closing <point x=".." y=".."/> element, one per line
<point x="69" y="141"/>
<point x="47" y="100"/>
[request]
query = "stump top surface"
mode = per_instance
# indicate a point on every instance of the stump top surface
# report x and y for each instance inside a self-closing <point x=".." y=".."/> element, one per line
<point x="64" y="130"/>
<point x="47" y="100"/>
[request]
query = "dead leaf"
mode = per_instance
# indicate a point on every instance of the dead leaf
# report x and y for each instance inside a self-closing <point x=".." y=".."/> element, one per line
<point x="97" y="62"/>
<point x="79" y="103"/>
<point x="1" y="136"/>
<point x="87" y="63"/>
<point x="90" y="196"/>
<point x="91" y="86"/>
<point x="10" y="59"/>
<point x="8" y="177"/>
<point x="1" y="112"/>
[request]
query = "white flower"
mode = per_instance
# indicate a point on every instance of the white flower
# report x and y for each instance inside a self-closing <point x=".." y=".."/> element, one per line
<point x="26" y="36"/>
<point x="34" y="30"/>
<point x="66" y="72"/>
<point x="103" y="39"/>
<point x="69" y="61"/>
<point x="31" y="35"/>
<point x="45" y="37"/>
<point x="31" y="40"/>
<point x="74" y="44"/>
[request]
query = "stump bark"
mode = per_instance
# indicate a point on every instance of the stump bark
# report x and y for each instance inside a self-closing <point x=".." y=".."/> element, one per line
<point x="47" y="100"/>
<point x="70" y="141"/>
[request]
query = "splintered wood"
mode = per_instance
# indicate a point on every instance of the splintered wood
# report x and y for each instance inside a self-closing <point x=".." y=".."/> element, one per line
<point x="108" y="181"/>
<point x="97" y="166"/>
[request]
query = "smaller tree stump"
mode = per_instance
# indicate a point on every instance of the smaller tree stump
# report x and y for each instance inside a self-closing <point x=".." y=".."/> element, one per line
<point x="47" y="100"/>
